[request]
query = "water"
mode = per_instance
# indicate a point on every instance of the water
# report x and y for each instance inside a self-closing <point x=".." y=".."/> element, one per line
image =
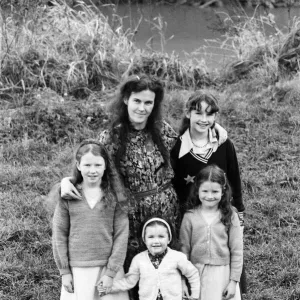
<point x="187" y="29"/>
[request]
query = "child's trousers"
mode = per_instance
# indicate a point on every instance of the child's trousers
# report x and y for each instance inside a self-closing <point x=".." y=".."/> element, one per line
<point x="85" y="280"/>
<point x="213" y="281"/>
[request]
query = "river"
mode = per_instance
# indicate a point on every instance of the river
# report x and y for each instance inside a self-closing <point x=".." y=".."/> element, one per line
<point x="187" y="31"/>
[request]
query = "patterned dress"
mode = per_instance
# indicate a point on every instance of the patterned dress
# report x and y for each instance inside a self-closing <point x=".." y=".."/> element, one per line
<point x="142" y="170"/>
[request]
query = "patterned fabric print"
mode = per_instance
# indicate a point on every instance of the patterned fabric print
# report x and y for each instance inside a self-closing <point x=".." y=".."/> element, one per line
<point x="142" y="170"/>
<point x="156" y="260"/>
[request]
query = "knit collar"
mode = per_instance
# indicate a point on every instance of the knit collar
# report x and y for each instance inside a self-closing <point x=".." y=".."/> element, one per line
<point x="187" y="145"/>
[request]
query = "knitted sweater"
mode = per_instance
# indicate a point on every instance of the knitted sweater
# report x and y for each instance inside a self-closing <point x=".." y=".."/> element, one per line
<point x="166" y="278"/>
<point x="189" y="165"/>
<point x="85" y="237"/>
<point x="212" y="244"/>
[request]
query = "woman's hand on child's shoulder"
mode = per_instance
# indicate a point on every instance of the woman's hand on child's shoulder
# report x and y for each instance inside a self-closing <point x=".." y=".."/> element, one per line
<point x="67" y="282"/>
<point x="68" y="190"/>
<point x="230" y="290"/>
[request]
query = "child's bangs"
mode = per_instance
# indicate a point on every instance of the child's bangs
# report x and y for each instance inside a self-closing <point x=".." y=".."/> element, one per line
<point x="196" y="103"/>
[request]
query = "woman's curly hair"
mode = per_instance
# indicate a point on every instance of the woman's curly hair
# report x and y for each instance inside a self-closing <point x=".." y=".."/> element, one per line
<point x="120" y="124"/>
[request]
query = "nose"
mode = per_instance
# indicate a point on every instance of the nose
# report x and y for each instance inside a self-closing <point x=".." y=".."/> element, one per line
<point x="141" y="106"/>
<point x="210" y="195"/>
<point x="92" y="169"/>
<point x="156" y="240"/>
<point x="203" y="117"/>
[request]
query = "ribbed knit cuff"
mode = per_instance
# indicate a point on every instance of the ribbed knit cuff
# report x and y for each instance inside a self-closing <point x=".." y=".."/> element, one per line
<point x="110" y="273"/>
<point x="235" y="277"/>
<point x="65" y="271"/>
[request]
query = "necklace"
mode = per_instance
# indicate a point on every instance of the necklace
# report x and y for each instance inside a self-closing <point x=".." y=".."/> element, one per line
<point x="200" y="146"/>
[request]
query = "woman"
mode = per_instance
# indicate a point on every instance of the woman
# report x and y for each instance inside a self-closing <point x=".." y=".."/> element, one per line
<point x="140" y="142"/>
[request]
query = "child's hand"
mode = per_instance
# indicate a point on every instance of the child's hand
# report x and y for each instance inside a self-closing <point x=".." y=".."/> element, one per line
<point x="67" y="282"/>
<point x="101" y="290"/>
<point x="185" y="291"/>
<point x="229" y="291"/>
<point x="105" y="283"/>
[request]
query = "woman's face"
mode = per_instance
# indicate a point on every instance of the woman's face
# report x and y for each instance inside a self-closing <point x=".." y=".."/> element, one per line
<point x="201" y="120"/>
<point x="139" y="107"/>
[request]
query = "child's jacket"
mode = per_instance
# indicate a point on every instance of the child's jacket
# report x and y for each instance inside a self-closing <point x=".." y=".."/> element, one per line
<point x="167" y="278"/>
<point x="212" y="244"/>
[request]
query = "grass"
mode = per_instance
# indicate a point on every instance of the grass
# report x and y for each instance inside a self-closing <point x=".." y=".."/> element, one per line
<point x="39" y="129"/>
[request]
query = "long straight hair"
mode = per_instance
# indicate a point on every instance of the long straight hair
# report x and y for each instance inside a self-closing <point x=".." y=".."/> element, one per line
<point x="111" y="183"/>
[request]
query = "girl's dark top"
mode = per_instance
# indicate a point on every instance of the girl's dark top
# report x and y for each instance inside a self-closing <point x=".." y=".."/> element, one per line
<point x="188" y="166"/>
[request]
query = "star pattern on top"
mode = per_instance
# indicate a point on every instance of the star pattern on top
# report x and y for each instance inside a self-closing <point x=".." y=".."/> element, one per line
<point x="189" y="179"/>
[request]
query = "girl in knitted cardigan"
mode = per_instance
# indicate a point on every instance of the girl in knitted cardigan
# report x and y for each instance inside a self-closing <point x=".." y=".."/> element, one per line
<point x="211" y="236"/>
<point x="90" y="235"/>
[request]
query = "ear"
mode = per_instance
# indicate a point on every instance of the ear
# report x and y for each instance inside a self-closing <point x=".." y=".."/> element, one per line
<point x="78" y="166"/>
<point x="126" y="101"/>
<point x="188" y="114"/>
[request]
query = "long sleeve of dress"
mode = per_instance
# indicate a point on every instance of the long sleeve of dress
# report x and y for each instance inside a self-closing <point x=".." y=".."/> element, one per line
<point x="235" y="244"/>
<point x="130" y="279"/>
<point x="233" y="174"/>
<point x="121" y="229"/>
<point x="191" y="273"/>
<point x="60" y="235"/>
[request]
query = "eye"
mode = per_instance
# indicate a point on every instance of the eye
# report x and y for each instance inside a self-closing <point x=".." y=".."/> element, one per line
<point x="149" y="103"/>
<point x="137" y="100"/>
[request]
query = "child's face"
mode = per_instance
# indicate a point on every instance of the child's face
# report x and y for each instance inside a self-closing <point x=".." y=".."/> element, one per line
<point x="156" y="238"/>
<point x="201" y="121"/>
<point x="210" y="194"/>
<point x="92" y="168"/>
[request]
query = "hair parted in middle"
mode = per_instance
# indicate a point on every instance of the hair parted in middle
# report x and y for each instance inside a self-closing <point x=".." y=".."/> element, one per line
<point x="120" y="124"/>
<point x="194" y="103"/>
<point x="111" y="183"/>
<point x="212" y="173"/>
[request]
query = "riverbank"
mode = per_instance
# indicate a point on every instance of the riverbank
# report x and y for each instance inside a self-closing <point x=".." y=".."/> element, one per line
<point x="57" y="73"/>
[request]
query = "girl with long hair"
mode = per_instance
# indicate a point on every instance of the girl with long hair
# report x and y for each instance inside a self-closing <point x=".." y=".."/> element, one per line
<point x="211" y="236"/>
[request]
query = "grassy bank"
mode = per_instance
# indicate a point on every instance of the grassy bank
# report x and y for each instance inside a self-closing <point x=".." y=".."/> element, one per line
<point x="54" y="85"/>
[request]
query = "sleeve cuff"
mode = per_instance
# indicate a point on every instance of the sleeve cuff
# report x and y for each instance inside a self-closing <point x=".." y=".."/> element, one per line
<point x="110" y="273"/>
<point x="235" y="277"/>
<point x="65" y="271"/>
